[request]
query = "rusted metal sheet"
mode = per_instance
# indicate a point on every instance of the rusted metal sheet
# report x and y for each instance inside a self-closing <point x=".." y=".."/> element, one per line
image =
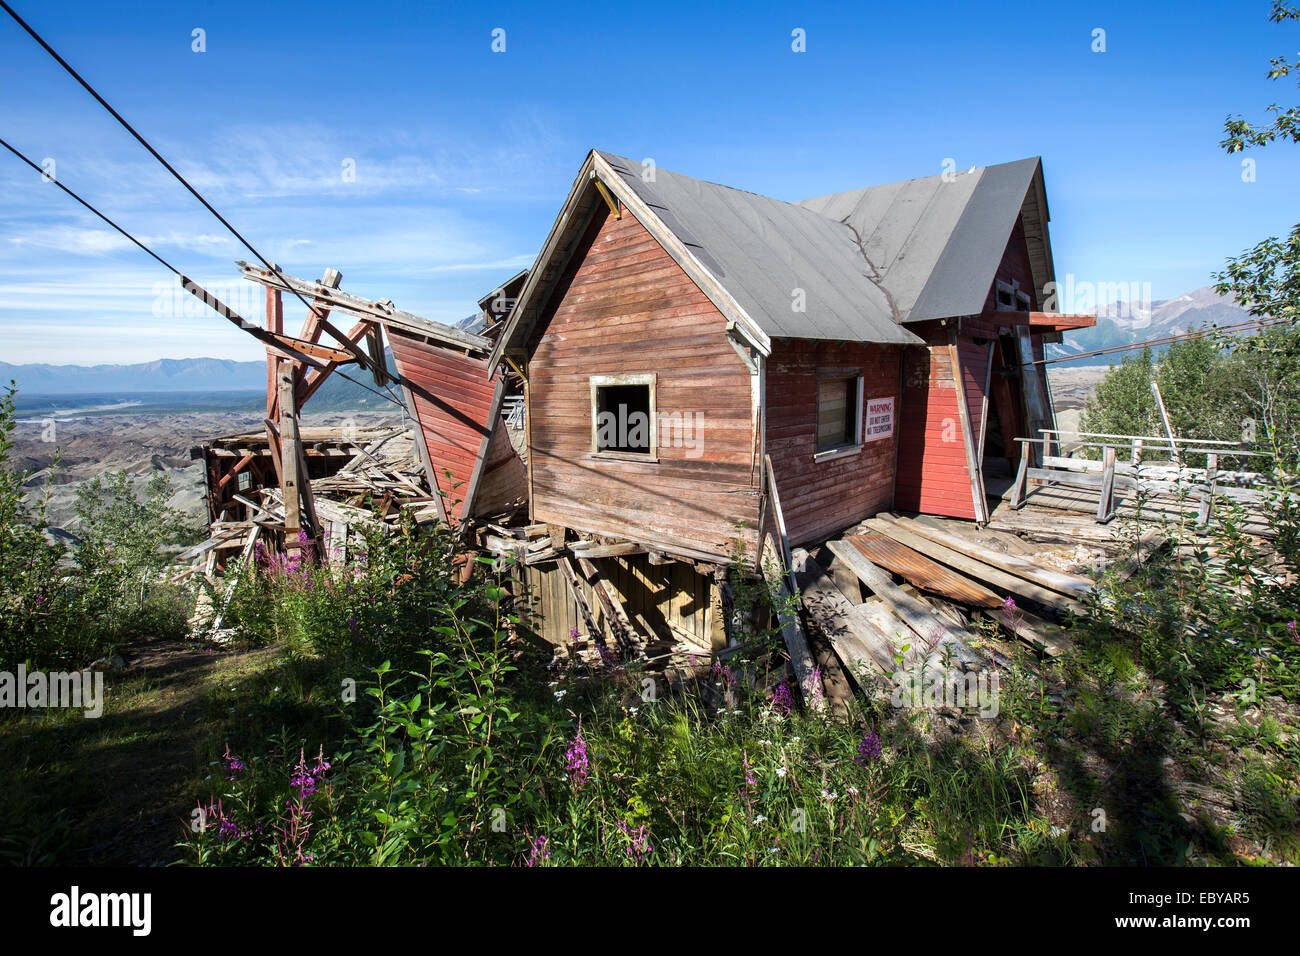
<point x="924" y="573"/>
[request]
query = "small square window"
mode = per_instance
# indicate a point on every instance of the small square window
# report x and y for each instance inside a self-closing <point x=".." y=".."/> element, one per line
<point x="839" y="412"/>
<point x="623" y="415"/>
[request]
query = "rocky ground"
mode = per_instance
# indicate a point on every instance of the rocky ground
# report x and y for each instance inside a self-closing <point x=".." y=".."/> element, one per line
<point x="1072" y="386"/>
<point x="145" y="444"/>
<point x="142" y="445"/>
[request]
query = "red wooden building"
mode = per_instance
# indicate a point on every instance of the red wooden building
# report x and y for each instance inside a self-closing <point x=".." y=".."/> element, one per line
<point x="696" y="354"/>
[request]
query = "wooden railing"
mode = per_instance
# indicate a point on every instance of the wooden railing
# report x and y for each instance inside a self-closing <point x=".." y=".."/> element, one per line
<point x="1136" y="474"/>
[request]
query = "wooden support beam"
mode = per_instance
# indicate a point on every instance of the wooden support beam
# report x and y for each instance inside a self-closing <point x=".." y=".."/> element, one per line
<point x="309" y="503"/>
<point x="1207" y="499"/>
<point x="941" y="638"/>
<point x="355" y="305"/>
<point x="624" y="634"/>
<point x="310" y="384"/>
<point x="1106" y="493"/>
<point x="274" y="325"/>
<point x="375" y="346"/>
<point x="594" y="630"/>
<point x="290" y="479"/>
<point x="973" y="473"/>
<point x="282" y="343"/>
<point x="234" y="472"/>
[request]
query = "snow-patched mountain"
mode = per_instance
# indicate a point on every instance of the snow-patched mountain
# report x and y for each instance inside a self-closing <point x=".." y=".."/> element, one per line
<point x="1125" y="323"/>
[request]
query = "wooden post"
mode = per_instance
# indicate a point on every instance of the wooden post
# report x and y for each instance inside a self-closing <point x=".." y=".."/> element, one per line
<point x="1136" y="454"/>
<point x="1037" y="408"/>
<point x="1106" y="497"/>
<point x="1211" y="479"/>
<point x="289" y="482"/>
<point x="1021" y="487"/>
<point x="1164" y="417"/>
<point x="275" y="324"/>
<point x="594" y="631"/>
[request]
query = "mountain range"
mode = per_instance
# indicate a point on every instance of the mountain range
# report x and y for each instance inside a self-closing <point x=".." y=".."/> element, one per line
<point x="48" y="386"/>
<point x="1117" y="324"/>
<point x="1125" y="323"/>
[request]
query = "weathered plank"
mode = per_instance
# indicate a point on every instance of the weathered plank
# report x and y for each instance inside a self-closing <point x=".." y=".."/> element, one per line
<point x="926" y="574"/>
<point x="861" y="646"/>
<point x="1070" y="585"/>
<point x="796" y="643"/>
<point x="1008" y="583"/>
<point x="939" y="637"/>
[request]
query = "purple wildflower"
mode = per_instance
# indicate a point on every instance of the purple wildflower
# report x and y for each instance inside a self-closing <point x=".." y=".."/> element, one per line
<point x="303" y="779"/>
<point x="869" y="749"/>
<point x="782" y="699"/>
<point x="639" y="847"/>
<point x="1009" y="604"/>
<point x="539" y="851"/>
<point x="233" y="763"/>
<point x="576" y="762"/>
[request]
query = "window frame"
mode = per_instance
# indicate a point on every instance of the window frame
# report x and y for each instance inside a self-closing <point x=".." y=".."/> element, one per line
<point x="1020" y="300"/>
<point x="857" y="394"/>
<point x="597" y="382"/>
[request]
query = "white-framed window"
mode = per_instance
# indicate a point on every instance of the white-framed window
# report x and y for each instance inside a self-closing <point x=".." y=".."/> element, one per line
<point x="839" y="412"/>
<point x="623" y="420"/>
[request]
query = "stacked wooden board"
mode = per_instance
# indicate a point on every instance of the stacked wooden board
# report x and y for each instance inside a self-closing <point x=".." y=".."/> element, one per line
<point x="877" y="625"/>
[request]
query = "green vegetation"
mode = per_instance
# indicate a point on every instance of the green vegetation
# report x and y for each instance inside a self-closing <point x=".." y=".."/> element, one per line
<point x="61" y="608"/>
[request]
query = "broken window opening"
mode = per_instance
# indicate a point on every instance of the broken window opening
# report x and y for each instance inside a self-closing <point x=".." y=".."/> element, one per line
<point x="623" y="415"/>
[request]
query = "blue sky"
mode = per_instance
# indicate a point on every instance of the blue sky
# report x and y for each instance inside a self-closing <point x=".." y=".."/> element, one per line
<point x="463" y="156"/>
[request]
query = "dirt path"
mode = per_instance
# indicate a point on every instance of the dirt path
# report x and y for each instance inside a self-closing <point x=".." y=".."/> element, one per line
<point x="118" y="789"/>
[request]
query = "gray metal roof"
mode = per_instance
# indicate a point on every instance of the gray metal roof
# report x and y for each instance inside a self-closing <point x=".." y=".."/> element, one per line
<point x="937" y="242"/>
<point x="762" y="249"/>
<point x="868" y="260"/>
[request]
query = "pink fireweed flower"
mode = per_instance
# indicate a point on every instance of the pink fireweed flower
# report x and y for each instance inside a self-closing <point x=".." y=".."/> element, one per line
<point x="233" y="763"/>
<point x="782" y="699"/>
<point x="1009" y="604"/>
<point x="539" y="851"/>
<point x="750" y="783"/>
<point x="869" y="749"/>
<point x="576" y="762"/>
<point x="639" y="847"/>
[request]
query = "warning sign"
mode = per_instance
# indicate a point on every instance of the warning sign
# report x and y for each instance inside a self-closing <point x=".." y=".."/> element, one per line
<point x="880" y="418"/>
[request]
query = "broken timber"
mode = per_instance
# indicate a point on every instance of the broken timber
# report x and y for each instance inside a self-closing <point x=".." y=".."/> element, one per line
<point x="939" y="637"/>
<point x="909" y="534"/>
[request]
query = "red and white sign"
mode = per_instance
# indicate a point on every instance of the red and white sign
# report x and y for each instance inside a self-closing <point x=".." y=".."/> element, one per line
<point x="880" y="419"/>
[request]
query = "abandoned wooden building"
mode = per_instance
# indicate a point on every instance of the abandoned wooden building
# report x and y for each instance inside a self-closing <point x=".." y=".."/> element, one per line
<point x="841" y="355"/>
<point x="711" y="378"/>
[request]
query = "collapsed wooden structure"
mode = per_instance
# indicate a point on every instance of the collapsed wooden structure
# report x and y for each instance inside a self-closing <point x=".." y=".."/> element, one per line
<point x="708" y="382"/>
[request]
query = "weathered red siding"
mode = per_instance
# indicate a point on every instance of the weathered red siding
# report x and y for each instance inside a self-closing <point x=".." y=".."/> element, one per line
<point x="932" y="472"/>
<point x="453" y="396"/>
<point x="974" y="360"/>
<point x="624" y="306"/>
<point x="820" y="498"/>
